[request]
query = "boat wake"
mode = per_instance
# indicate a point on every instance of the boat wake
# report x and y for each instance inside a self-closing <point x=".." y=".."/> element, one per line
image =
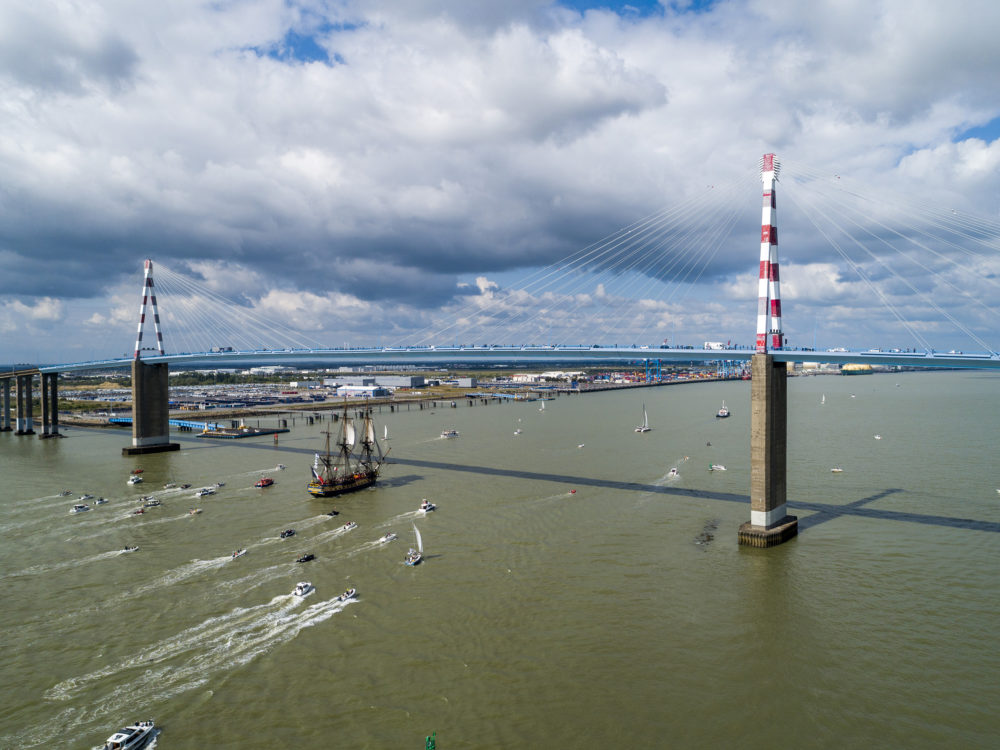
<point x="187" y="660"/>
<point x="48" y="568"/>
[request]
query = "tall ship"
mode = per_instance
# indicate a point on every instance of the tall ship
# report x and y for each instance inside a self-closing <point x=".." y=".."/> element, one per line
<point x="343" y="471"/>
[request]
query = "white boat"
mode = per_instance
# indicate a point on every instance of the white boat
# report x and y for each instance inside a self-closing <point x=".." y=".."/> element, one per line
<point x="220" y="484"/>
<point x="85" y="497"/>
<point x="581" y="445"/>
<point x="822" y="399"/>
<point x="194" y="511"/>
<point x="350" y="525"/>
<point x="349" y="594"/>
<point x="152" y="503"/>
<point x="135" y="479"/>
<point x="279" y="467"/>
<point x="542" y="407"/>
<point x="239" y="553"/>
<point x="644" y="427"/>
<point x="426" y="506"/>
<point x="170" y="485"/>
<point x="414" y="556"/>
<point x="133" y="736"/>
<point x="716" y="467"/>
<point x="387" y="537"/>
<point x="836" y="470"/>
<point x="723" y="411"/>
<point x="303" y="587"/>
<point x="878" y="437"/>
<point x="673" y="473"/>
<point x="100" y="501"/>
<point x="130" y="549"/>
<point x="449" y="433"/>
<point x="205" y="491"/>
<point x="517" y="431"/>
<point x="80" y="508"/>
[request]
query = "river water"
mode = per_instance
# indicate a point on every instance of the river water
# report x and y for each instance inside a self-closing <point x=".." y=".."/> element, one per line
<point x="623" y="614"/>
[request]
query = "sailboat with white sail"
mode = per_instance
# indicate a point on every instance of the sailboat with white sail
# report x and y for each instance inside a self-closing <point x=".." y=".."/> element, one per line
<point x="644" y="427"/>
<point x="336" y="474"/>
<point x="414" y="556"/>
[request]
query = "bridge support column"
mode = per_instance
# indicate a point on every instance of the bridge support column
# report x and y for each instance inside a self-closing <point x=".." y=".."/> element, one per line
<point x="25" y="423"/>
<point x="150" y="410"/>
<point x="769" y="523"/>
<point x="50" y="405"/>
<point x="5" y="405"/>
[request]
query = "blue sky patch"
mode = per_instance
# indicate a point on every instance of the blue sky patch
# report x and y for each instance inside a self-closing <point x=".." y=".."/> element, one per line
<point x="300" y="48"/>
<point x="988" y="132"/>
<point x="639" y="8"/>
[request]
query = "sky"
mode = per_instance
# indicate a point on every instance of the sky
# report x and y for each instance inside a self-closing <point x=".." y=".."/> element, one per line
<point x="366" y="171"/>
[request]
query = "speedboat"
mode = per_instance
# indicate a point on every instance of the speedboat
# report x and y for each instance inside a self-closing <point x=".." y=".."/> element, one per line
<point x="138" y="511"/>
<point x="85" y="497"/>
<point x="279" y="467"/>
<point x="80" y="508"/>
<point x="239" y="553"/>
<point x="220" y="484"/>
<point x="205" y="491"/>
<point x="185" y="486"/>
<point x="716" y="467"/>
<point x="303" y="587"/>
<point x="152" y="503"/>
<point x="306" y="558"/>
<point x="350" y="525"/>
<point x="65" y="493"/>
<point x="194" y="511"/>
<point x="137" y="471"/>
<point x="386" y="537"/>
<point x="836" y="470"/>
<point x="427" y="506"/>
<point x="130" y="549"/>
<point x="135" y="479"/>
<point x="349" y="594"/>
<point x="170" y="485"/>
<point x="673" y="473"/>
<point x="878" y="437"/>
<point x="287" y="533"/>
<point x="133" y="736"/>
<point x="449" y="433"/>
<point x="517" y="431"/>
<point x="263" y="482"/>
<point x="100" y="501"/>
<point x="723" y="412"/>
<point x="334" y="513"/>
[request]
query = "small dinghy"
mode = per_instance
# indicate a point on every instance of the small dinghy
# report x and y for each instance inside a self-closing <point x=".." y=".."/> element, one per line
<point x="349" y="594"/>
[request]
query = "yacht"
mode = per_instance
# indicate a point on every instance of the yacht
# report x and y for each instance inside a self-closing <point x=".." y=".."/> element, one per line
<point x="303" y="587"/>
<point x="133" y="736"/>
<point x="427" y="506"/>
<point x="80" y="508"/>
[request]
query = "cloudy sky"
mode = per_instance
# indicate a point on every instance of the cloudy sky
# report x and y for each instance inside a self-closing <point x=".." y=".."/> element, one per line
<point x="371" y="171"/>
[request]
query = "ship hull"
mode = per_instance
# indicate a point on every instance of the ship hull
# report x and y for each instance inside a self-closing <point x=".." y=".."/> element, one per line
<point x="353" y="484"/>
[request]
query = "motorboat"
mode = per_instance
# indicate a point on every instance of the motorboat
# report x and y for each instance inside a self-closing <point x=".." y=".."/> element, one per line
<point x="80" y="508"/>
<point x="723" y="412"/>
<point x="836" y="470"/>
<point x="449" y="433"/>
<point x="581" y="445"/>
<point x="194" y="511"/>
<point x="334" y="513"/>
<point x="204" y="491"/>
<point x="878" y="437"/>
<point x="127" y="548"/>
<point x="287" y="533"/>
<point x="135" y="479"/>
<point x="350" y="525"/>
<point x="170" y="485"/>
<point x="185" y="486"/>
<point x="65" y="493"/>
<point x="239" y="553"/>
<point x="220" y="484"/>
<point x="306" y="558"/>
<point x="85" y="497"/>
<point x="303" y="587"/>
<point x="138" y="511"/>
<point x="673" y="473"/>
<point x="716" y="467"/>
<point x="387" y="537"/>
<point x="263" y="482"/>
<point x="279" y="467"/>
<point x="100" y="501"/>
<point x="517" y="431"/>
<point x="349" y="594"/>
<point x="137" y="471"/>
<point x="152" y="503"/>
<point x="427" y="506"/>
<point x="145" y="499"/>
<point x="133" y="736"/>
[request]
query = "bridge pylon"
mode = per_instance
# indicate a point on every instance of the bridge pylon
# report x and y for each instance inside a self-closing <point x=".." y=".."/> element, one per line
<point x="150" y="394"/>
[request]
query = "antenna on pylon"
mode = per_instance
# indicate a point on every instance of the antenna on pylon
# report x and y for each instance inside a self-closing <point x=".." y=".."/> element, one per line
<point x="769" y="294"/>
<point x="148" y="295"/>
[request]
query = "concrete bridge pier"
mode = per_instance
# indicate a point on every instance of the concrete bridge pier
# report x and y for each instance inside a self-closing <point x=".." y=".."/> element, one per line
<point x="5" y="405"/>
<point x="50" y="405"/>
<point x="769" y="523"/>
<point x="25" y="423"/>
<point x="150" y="410"/>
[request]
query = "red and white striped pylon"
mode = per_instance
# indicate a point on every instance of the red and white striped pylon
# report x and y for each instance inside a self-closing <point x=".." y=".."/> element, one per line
<point x="148" y="295"/>
<point x="769" y="294"/>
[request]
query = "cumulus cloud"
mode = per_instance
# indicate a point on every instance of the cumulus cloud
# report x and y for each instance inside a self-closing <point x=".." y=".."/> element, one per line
<point x="423" y="145"/>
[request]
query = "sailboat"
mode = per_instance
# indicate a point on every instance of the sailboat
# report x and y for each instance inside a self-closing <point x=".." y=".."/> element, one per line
<point x="336" y="474"/>
<point x="644" y="427"/>
<point x="822" y="399"/>
<point x="542" y="407"/>
<point x="414" y="556"/>
<point x="385" y="432"/>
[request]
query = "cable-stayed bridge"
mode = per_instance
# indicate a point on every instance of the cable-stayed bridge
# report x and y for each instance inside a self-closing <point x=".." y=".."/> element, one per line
<point x="629" y="286"/>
